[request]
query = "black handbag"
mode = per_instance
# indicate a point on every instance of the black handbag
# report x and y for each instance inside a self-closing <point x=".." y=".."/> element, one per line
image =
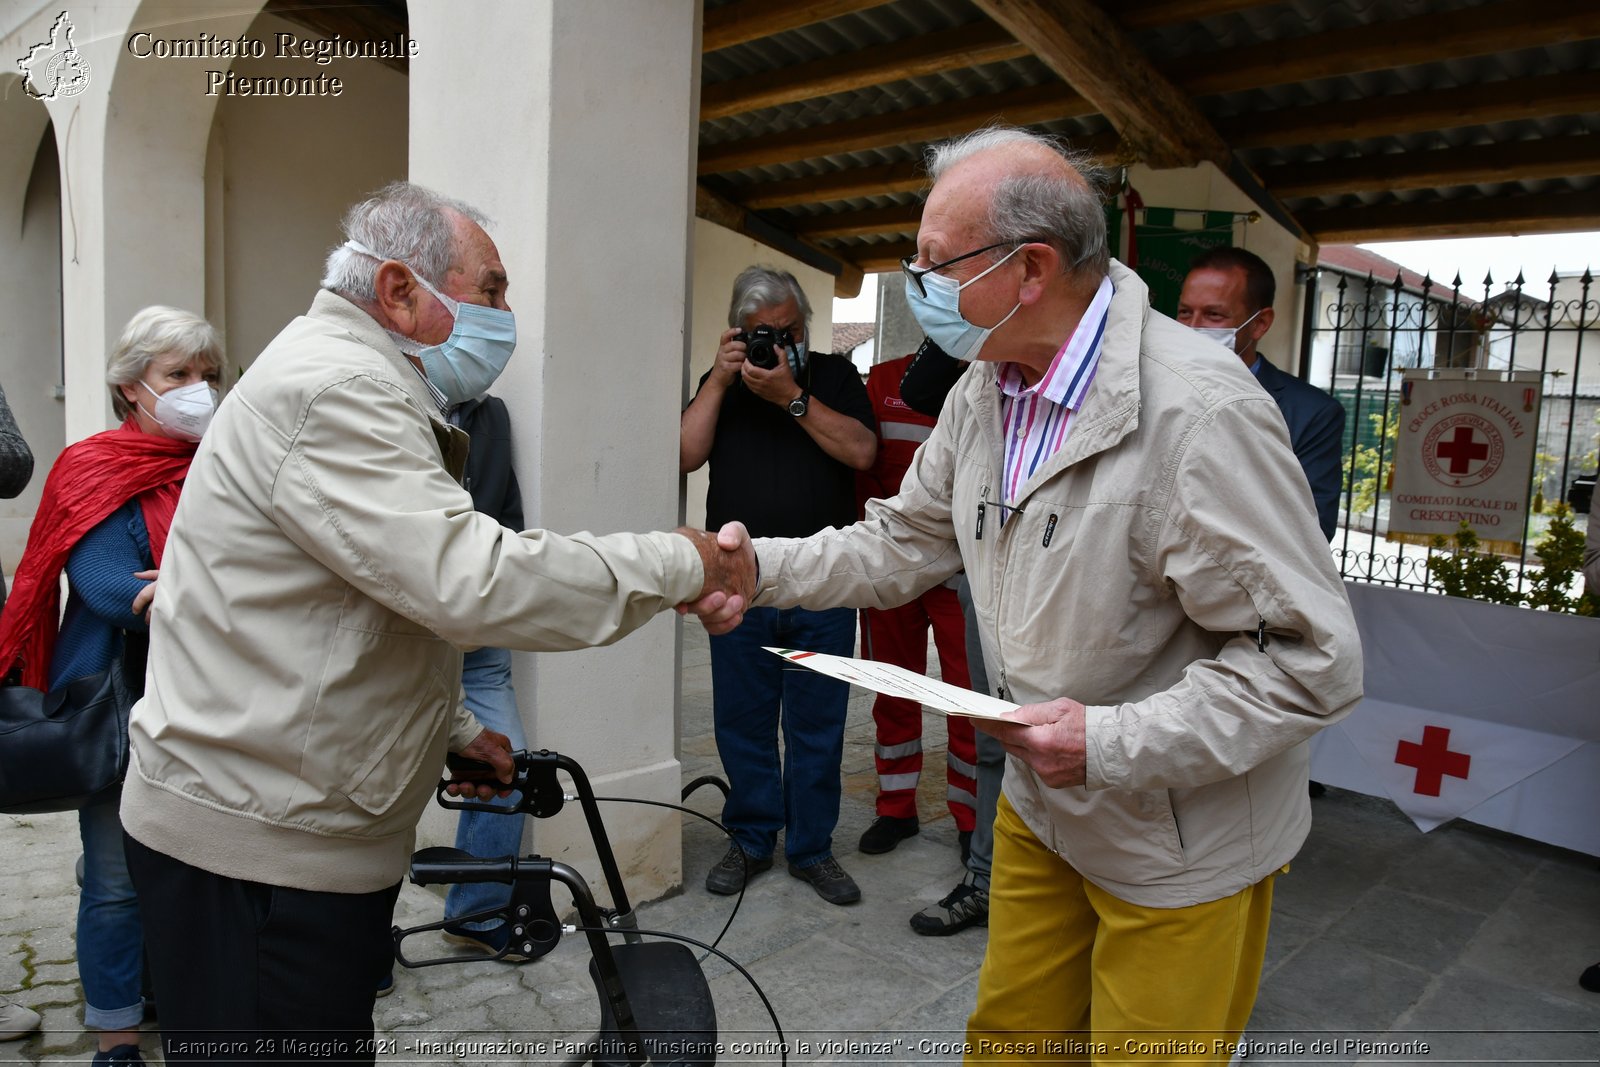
<point x="67" y="749"/>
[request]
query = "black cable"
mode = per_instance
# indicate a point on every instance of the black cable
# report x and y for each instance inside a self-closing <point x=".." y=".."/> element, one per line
<point x="738" y="900"/>
<point x="783" y="1042"/>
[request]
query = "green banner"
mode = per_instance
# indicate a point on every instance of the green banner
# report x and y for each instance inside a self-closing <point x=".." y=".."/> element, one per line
<point x="1165" y="250"/>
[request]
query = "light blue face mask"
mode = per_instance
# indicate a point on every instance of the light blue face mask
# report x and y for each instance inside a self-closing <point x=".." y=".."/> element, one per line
<point x="466" y="363"/>
<point x="939" y="312"/>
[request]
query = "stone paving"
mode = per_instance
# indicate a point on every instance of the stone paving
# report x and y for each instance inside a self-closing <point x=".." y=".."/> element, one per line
<point x="1466" y="940"/>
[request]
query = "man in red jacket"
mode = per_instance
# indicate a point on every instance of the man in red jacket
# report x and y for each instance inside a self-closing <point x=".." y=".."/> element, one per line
<point x="900" y="636"/>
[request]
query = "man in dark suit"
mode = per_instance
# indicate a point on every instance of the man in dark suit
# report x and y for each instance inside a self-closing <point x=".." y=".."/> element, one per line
<point x="1228" y="295"/>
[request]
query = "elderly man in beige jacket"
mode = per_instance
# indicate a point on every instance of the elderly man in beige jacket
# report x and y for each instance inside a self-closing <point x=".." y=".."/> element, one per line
<point x="1152" y="588"/>
<point x="325" y="567"/>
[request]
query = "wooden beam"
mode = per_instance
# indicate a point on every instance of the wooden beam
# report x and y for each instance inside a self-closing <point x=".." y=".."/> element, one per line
<point x="898" y="219"/>
<point x="932" y="122"/>
<point x="1561" y="157"/>
<point x="1245" y="180"/>
<point x="373" y="20"/>
<point x="886" y="256"/>
<point x="881" y="180"/>
<point x="1399" y="113"/>
<point x="1149" y="14"/>
<point x="1095" y="56"/>
<point x="1464" y="217"/>
<point x="1503" y="26"/>
<point x="934" y="53"/>
<point x="749" y="20"/>
<point x="726" y="213"/>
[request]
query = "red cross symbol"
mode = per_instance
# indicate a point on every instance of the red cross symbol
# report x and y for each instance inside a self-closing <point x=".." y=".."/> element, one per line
<point x="1433" y="760"/>
<point x="1461" y="450"/>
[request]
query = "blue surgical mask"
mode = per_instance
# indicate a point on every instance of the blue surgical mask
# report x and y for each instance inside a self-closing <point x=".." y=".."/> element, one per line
<point x="466" y="363"/>
<point x="939" y="313"/>
<point x="797" y="359"/>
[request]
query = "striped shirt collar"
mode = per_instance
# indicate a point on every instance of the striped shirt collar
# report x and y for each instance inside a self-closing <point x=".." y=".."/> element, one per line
<point x="433" y="390"/>
<point x="1072" y="370"/>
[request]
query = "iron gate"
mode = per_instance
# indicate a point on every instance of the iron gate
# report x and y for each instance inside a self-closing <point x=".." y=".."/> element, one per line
<point x="1359" y="336"/>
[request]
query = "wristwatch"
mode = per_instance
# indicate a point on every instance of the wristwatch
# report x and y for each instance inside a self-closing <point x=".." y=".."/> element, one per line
<point x="797" y="406"/>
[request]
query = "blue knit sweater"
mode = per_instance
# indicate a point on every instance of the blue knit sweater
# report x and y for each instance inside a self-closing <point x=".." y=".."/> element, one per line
<point x="101" y="588"/>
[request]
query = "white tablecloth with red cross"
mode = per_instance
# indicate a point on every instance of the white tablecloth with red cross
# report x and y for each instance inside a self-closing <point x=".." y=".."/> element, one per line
<point x="1473" y="711"/>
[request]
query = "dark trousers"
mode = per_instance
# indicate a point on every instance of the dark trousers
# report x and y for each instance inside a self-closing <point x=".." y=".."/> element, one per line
<point x="248" y="971"/>
<point x="754" y="695"/>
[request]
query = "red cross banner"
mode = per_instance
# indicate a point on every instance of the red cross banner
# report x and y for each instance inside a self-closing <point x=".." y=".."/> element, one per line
<point x="1464" y="453"/>
<point x="1436" y="766"/>
<point x="1475" y="711"/>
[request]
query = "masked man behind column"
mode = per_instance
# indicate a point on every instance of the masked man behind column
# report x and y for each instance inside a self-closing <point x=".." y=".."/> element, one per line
<point x="784" y="430"/>
<point x="1147" y="573"/>
<point x="323" y="569"/>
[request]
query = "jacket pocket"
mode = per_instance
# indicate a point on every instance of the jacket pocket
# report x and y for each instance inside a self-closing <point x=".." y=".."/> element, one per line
<point x="381" y="712"/>
<point x="391" y="766"/>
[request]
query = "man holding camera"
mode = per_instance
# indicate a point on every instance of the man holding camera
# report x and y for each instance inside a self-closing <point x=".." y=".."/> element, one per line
<point x="785" y="430"/>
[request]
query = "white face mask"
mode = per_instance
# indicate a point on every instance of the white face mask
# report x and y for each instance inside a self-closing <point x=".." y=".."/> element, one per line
<point x="184" y="412"/>
<point x="1226" y="336"/>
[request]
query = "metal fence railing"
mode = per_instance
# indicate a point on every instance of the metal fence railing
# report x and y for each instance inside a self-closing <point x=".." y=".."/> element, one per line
<point x="1359" y="336"/>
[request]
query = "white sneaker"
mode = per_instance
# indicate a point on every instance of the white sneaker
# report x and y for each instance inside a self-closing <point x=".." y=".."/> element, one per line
<point x="16" y="1021"/>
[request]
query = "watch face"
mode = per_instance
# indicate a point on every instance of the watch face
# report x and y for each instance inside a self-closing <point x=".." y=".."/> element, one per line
<point x="797" y="406"/>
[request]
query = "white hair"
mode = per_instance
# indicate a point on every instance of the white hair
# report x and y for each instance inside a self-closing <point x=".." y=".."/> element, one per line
<point x="158" y="331"/>
<point x="400" y="221"/>
<point x="762" y="287"/>
<point x="1039" y="205"/>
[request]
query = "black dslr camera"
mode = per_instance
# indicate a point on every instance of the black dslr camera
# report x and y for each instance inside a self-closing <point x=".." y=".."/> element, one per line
<point x="761" y="345"/>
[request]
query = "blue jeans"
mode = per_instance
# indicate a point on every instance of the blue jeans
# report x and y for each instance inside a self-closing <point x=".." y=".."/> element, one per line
<point x="486" y="679"/>
<point x="749" y="685"/>
<point x="991" y="755"/>
<point x="110" y="936"/>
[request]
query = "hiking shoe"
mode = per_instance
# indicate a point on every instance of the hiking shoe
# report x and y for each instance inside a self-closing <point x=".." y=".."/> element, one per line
<point x="16" y="1021"/>
<point x="829" y="880"/>
<point x="385" y="985"/>
<point x="886" y="832"/>
<point x="728" y="876"/>
<point x="122" y="1054"/>
<point x="965" y="905"/>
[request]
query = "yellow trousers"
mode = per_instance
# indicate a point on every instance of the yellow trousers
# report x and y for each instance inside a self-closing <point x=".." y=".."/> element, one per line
<point x="1074" y="975"/>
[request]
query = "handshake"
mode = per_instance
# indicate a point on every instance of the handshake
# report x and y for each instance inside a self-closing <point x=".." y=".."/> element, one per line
<point x="730" y="568"/>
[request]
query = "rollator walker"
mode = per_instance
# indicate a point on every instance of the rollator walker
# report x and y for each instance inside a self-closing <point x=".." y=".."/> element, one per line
<point x="655" y="1005"/>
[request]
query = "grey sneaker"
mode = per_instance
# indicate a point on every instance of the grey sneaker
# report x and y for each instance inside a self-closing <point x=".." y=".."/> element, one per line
<point x="16" y="1021"/>
<point x="729" y="875"/>
<point x="965" y="905"/>
<point x="829" y="880"/>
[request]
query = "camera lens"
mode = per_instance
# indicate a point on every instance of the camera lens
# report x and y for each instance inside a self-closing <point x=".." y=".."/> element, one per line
<point x="760" y="348"/>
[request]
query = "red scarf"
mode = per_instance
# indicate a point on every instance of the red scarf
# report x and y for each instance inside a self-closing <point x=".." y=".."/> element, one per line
<point x="90" y="480"/>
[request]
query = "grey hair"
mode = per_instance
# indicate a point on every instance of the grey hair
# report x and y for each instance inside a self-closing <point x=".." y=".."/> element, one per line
<point x="1040" y="204"/>
<point x="760" y="287"/>
<point x="158" y="331"/>
<point x="400" y="221"/>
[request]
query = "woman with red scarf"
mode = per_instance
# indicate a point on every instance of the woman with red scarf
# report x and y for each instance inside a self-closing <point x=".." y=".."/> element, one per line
<point x="103" y="519"/>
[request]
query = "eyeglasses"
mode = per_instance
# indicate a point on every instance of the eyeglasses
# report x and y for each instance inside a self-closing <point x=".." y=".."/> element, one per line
<point x="915" y="273"/>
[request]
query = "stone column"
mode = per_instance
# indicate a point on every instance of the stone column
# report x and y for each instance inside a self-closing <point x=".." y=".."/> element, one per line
<point x="898" y="332"/>
<point x="573" y="126"/>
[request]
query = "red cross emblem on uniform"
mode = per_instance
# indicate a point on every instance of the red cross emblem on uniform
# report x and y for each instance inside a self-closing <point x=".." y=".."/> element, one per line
<point x="1433" y="760"/>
